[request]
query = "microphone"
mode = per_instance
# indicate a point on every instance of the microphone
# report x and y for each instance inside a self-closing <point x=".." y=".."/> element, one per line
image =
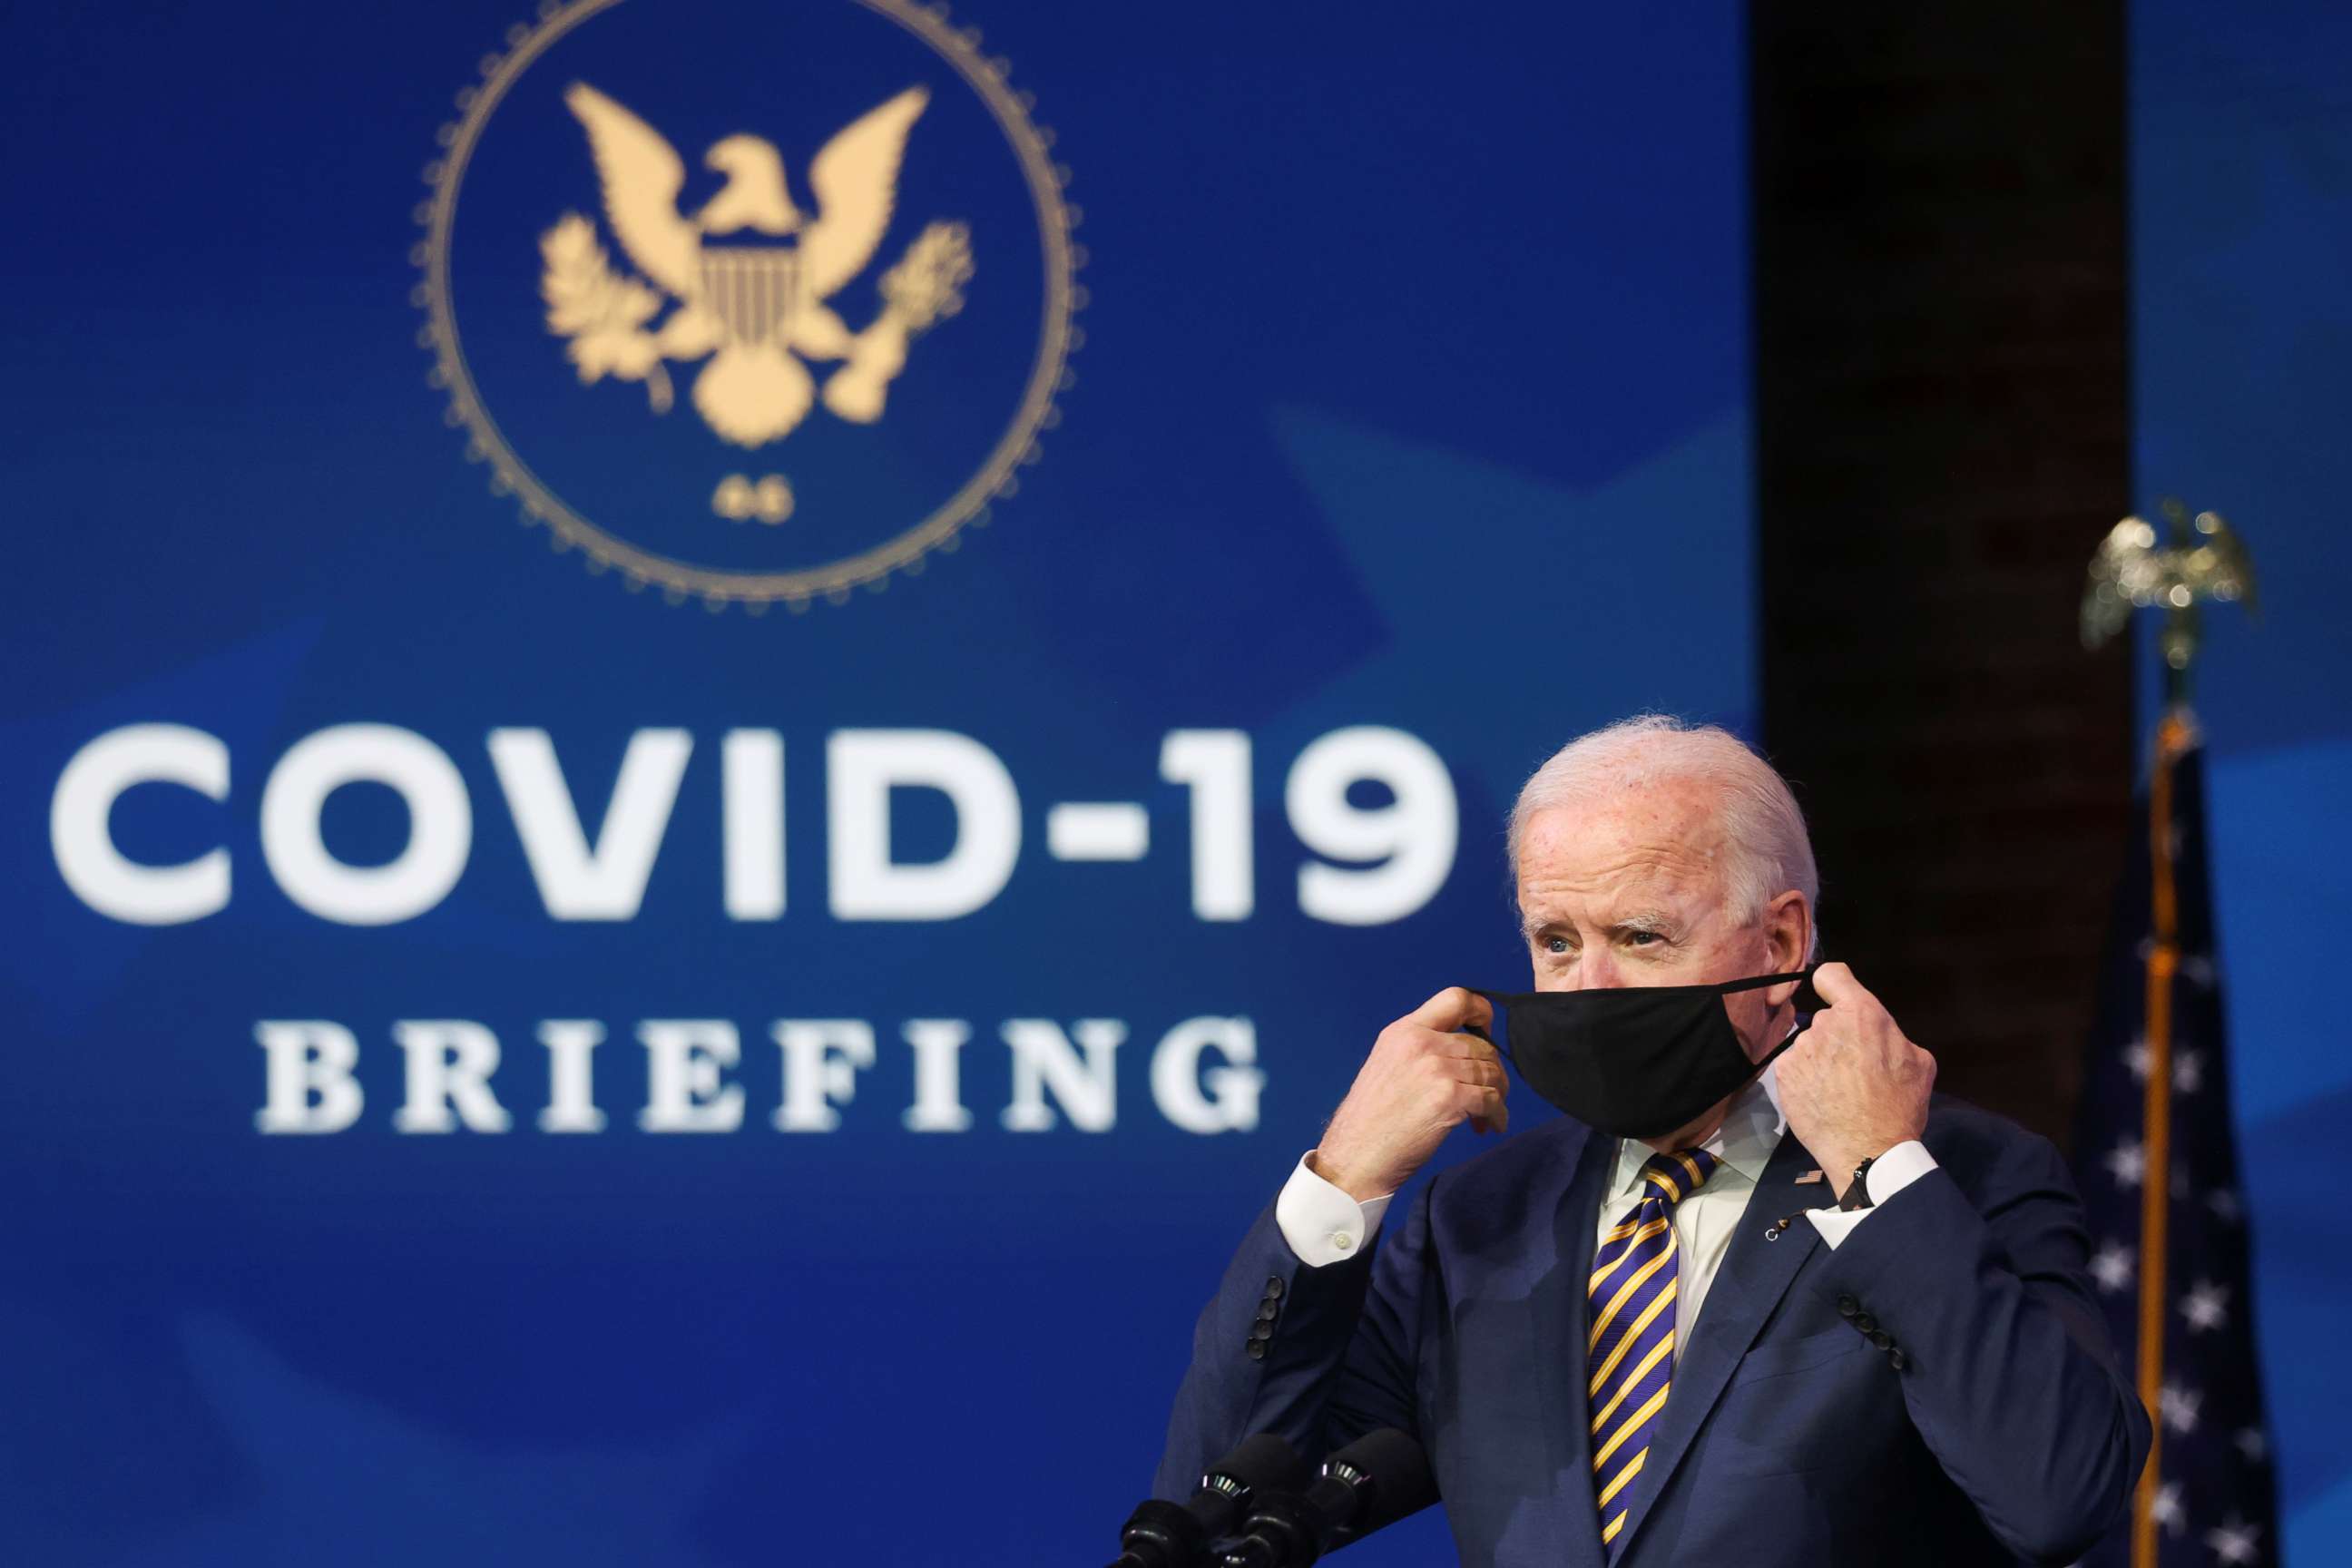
<point x="1371" y="1483"/>
<point x="1162" y="1534"/>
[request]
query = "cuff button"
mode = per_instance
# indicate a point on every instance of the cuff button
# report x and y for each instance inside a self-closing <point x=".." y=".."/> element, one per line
<point x="1848" y="1306"/>
<point x="1257" y="1350"/>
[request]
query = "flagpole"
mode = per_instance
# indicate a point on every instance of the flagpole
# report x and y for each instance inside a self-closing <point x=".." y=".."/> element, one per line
<point x="2135" y="569"/>
<point x="2174" y="736"/>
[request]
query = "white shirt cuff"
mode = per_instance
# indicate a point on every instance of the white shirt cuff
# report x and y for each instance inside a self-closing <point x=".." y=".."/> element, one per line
<point x="1889" y="1175"/>
<point x="1322" y="1224"/>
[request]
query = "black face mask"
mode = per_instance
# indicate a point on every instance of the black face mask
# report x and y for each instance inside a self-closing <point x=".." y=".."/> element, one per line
<point x="1635" y="1061"/>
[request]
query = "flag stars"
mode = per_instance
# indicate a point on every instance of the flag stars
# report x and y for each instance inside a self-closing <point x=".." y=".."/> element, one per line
<point x="2189" y="1071"/>
<point x="2233" y="1540"/>
<point x="2138" y="1058"/>
<point x="2165" y="1509"/>
<point x="2127" y="1162"/>
<point x="2111" y="1267"/>
<point x="2206" y="1306"/>
<point x="2178" y="1406"/>
<point x="2223" y="1202"/>
<point x="2252" y="1444"/>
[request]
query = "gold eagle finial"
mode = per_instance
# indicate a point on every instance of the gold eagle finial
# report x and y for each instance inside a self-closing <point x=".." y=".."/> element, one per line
<point x="2205" y="561"/>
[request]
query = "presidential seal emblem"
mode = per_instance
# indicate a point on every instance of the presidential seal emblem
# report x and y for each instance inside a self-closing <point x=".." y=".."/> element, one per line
<point x="782" y="369"/>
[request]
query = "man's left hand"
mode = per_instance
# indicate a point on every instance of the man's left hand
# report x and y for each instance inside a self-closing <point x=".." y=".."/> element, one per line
<point x="1853" y="1087"/>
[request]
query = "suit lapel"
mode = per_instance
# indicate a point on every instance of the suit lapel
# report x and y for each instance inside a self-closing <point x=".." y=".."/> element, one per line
<point x="1754" y="1276"/>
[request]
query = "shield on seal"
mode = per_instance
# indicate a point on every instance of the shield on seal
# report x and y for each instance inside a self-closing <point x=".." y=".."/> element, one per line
<point x="753" y="289"/>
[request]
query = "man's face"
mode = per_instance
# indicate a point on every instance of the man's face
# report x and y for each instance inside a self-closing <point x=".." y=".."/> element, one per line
<point x="1629" y="890"/>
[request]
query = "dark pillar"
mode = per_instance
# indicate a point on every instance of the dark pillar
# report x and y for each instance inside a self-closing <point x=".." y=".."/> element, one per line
<point x="1943" y="437"/>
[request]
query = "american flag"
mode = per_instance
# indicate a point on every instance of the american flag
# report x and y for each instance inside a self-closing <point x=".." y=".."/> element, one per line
<point x="2213" y="1501"/>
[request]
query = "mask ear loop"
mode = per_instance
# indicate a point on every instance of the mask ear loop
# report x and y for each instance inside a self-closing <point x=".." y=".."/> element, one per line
<point x="1757" y="983"/>
<point x="1804" y="1021"/>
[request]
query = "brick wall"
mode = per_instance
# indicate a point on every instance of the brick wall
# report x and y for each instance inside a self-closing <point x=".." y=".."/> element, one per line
<point x="1942" y="429"/>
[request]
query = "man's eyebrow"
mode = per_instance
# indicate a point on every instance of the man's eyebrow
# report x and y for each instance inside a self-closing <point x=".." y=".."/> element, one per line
<point x="1660" y="921"/>
<point x="1654" y="921"/>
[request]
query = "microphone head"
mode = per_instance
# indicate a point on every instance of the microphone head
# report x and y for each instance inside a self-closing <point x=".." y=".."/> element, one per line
<point x="1389" y="1472"/>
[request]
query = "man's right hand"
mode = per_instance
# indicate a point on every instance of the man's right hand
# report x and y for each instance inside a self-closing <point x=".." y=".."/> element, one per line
<point x="1423" y="1079"/>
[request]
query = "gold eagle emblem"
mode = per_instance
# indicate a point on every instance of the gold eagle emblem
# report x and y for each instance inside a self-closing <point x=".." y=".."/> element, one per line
<point x="747" y="279"/>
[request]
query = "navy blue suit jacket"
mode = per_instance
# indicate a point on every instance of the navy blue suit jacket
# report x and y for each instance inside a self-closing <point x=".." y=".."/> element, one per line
<point x="1991" y="1424"/>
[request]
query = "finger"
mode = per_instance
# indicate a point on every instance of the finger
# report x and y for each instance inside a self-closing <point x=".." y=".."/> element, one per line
<point x="1485" y="1075"/>
<point x="1837" y="987"/>
<point x="1451" y="1009"/>
<point x="1470" y="1047"/>
<point x="1492" y="1114"/>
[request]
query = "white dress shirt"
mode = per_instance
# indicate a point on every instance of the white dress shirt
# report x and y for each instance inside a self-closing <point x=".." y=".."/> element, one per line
<point x="1323" y="1224"/>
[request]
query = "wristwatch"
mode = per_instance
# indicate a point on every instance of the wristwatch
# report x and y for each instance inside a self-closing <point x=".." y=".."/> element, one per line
<point x="1857" y="1191"/>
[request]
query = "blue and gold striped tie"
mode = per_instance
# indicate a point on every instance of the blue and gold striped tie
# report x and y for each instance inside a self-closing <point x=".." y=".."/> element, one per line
<point x="1631" y="1345"/>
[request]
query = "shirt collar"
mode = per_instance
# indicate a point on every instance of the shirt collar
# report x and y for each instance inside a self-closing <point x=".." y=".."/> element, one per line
<point x="1750" y="1131"/>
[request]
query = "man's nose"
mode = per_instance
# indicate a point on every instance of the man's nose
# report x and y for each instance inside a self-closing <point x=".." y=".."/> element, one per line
<point x="1598" y="971"/>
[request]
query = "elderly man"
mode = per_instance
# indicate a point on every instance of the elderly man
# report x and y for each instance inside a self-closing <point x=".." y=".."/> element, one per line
<point x="1802" y="1313"/>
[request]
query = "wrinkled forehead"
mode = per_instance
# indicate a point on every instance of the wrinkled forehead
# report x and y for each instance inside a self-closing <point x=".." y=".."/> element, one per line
<point x="1658" y="840"/>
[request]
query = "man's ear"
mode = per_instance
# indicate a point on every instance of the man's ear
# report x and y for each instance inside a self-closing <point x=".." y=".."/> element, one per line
<point x="1789" y="934"/>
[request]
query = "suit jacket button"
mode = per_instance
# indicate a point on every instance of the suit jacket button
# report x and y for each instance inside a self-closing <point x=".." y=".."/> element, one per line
<point x="1848" y="1306"/>
<point x="1257" y="1350"/>
<point x="1866" y="1324"/>
<point x="1897" y="1359"/>
<point x="1274" y="1288"/>
<point x="1882" y="1339"/>
<point x="1268" y="1313"/>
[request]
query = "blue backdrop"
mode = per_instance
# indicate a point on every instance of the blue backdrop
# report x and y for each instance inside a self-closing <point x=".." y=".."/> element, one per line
<point x="427" y="1138"/>
<point x="2241" y="218"/>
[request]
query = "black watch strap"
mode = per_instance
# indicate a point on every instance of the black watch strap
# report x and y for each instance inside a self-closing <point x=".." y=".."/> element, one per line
<point x="1857" y="1191"/>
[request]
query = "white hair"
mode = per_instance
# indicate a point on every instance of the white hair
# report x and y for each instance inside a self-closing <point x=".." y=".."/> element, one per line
<point x="1767" y="851"/>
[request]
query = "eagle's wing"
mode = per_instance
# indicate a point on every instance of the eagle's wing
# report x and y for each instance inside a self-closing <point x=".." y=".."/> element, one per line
<point x="855" y="178"/>
<point x="2237" y="565"/>
<point x="2119" y="576"/>
<point x="642" y="175"/>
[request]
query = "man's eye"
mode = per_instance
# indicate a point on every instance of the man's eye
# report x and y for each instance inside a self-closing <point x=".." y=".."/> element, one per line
<point x="1554" y="944"/>
<point x="1643" y="938"/>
